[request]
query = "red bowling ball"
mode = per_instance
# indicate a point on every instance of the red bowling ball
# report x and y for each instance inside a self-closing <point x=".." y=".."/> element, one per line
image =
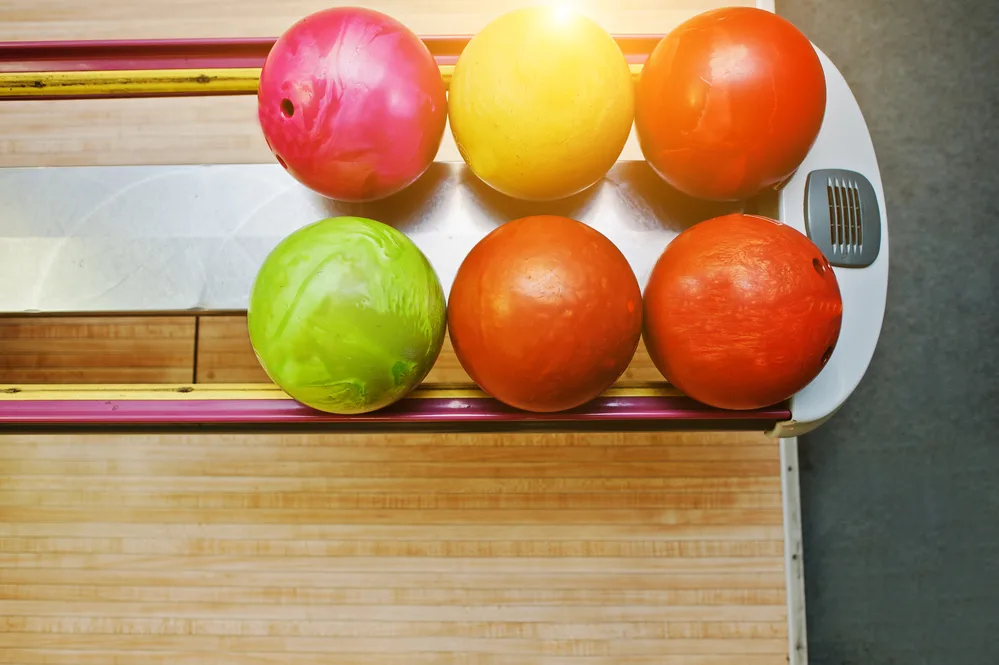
<point x="741" y="312"/>
<point x="729" y="103"/>
<point x="352" y="104"/>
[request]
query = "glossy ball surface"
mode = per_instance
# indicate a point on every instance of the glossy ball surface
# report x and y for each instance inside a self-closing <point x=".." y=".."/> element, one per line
<point x="545" y="313"/>
<point x="741" y="312"/>
<point x="347" y="315"/>
<point x="541" y="103"/>
<point x="352" y="104"/>
<point x="729" y="103"/>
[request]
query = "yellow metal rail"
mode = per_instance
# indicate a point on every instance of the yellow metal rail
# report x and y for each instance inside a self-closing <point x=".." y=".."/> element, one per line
<point x="147" y="82"/>
<point x="256" y="391"/>
<point x="144" y="82"/>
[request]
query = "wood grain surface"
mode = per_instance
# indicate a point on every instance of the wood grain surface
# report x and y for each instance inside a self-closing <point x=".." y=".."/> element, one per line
<point x="162" y="349"/>
<point x="224" y="352"/>
<point x="97" y="349"/>
<point x="374" y="549"/>
<point x="22" y="20"/>
<point x="158" y="349"/>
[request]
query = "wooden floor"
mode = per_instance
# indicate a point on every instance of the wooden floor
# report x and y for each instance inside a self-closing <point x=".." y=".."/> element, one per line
<point x="371" y="549"/>
<point x="381" y="549"/>
<point x="125" y="349"/>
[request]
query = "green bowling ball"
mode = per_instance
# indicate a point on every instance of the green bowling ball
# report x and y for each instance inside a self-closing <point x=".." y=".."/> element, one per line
<point x="347" y="315"/>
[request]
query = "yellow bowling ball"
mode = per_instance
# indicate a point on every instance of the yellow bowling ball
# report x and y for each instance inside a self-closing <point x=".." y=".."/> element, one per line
<point x="541" y="103"/>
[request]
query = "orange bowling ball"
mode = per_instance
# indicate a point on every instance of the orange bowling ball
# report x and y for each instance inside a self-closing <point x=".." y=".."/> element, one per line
<point x="729" y="103"/>
<point x="545" y="313"/>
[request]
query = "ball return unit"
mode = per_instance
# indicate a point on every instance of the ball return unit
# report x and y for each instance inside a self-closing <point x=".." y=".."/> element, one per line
<point x="215" y="223"/>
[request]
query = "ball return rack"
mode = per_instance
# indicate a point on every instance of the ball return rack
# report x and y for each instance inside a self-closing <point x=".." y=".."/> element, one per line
<point x="189" y="239"/>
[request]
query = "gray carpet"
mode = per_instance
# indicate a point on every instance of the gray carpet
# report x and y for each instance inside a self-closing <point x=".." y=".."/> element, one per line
<point x="901" y="488"/>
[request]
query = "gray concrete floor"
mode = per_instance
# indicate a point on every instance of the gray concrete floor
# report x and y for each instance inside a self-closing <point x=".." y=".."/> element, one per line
<point x="901" y="488"/>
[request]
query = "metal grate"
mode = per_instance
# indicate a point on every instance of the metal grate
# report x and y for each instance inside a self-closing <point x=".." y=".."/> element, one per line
<point x="846" y="233"/>
<point x="842" y="217"/>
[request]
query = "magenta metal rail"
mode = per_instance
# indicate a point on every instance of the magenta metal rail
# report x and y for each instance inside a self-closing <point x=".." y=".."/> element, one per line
<point x="666" y="412"/>
<point x="144" y="54"/>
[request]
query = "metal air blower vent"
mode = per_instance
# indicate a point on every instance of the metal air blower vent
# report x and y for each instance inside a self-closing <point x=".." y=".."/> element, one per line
<point x="842" y="217"/>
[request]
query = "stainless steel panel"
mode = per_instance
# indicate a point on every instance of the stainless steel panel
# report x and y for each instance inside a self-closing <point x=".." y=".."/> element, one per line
<point x="155" y="238"/>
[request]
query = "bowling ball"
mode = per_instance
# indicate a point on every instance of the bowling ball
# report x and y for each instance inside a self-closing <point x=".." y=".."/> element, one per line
<point x="541" y="103"/>
<point x="346" y="315"/>
<point x="352" y="104"/>
<point x="729" y="103"/>
<point x="741" y="312"/>
<point x="545" y="313"/>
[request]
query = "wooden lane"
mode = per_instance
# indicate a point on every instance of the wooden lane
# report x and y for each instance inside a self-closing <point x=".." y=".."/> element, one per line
<point x="224" y="352"/>
<point x="96" y="349"/>
<point x="24" y="20"/>
<point x="446" y="548"/>
<point x="155" y="349"/>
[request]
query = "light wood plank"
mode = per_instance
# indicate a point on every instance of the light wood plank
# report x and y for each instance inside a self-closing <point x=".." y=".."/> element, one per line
<point x="224" y="352"/>
<point x="143" y="626"/>
<point x="453" y="548"/>
<point x="96" y="349"/>
<point x="66" y="19"/>
<point x="160" y="657"/>
<point x="94" y="132"/>
<point x="366" y="645"/>
<point x="138" y="350"/>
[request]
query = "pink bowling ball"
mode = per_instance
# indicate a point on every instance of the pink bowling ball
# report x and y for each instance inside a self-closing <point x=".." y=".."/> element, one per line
<point x="352" y="104"/>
